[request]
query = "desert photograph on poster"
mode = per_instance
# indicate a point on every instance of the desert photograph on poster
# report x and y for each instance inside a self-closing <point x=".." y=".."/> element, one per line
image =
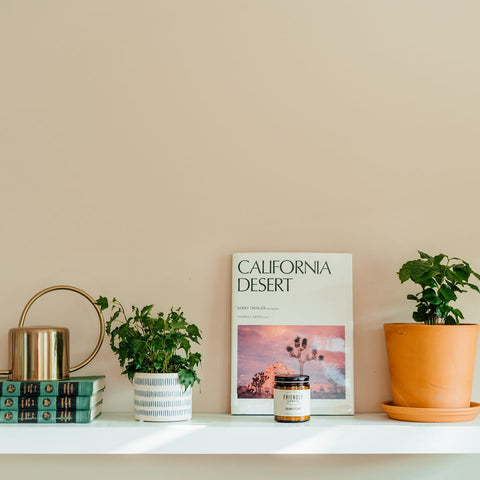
<point x="265" y="351"/>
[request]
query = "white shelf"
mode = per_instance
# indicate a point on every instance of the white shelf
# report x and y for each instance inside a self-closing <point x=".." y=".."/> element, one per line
<point x="225" y="434"/>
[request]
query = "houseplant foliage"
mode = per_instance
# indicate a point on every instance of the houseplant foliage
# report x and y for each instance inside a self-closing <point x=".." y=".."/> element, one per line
<point x="441" y="279"/>
<point x="147" y="342"/>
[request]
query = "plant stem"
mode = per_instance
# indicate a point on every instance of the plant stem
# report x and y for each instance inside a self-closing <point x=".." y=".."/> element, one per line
<point x="444" y="273"/>
<point x="435" y="316"/>
<point x="123" y="311"/>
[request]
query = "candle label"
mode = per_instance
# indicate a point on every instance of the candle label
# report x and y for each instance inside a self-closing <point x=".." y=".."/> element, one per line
<point x="291" y="403"/>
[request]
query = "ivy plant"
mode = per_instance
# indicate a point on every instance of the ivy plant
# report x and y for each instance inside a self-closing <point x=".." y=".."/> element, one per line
<point x="147" y="342"/>
<point x="441" y="279"/>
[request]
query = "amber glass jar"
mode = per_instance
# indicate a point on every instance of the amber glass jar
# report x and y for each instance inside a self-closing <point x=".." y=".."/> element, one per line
<point x="291" y="398"/>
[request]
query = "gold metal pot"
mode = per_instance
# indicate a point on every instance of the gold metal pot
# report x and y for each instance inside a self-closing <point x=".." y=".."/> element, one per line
<point x="43" y="353"/>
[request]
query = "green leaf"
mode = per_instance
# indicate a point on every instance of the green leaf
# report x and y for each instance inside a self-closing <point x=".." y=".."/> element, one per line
<point x="185" y="344"/>
<point x="461" y="272"/>
<point x="458" y="314"/>
<point x="437" y="260"/>
<point x="420" y="317"/>
<point x="474" y="287"/>
<point x="449" y="320"/>
<point x="423" y="308"/>
<point x="424" y="255"/>
<point x="430" y="282"/>
<point x="138" y="344"/>
<point x="146" y="310"/>
<point x="446" y="293"/>
<point x="454" y="286"/>
<point x="194" y="332"/>
<point x="194" y="359"/>
<point x="178" y="324"/>
<point x="186" y="377"/>
<point x="102" y="302"/>
<point x="431" y="296"/>
<point x="415" y="270"/>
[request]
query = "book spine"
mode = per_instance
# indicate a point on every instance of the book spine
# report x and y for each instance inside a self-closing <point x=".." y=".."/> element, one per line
<point x="47" y="416"/>
<point x="54" y="388"/>
<point x="45" y="403"/>
<point x="67" y="388"/>
<point x="15" y="389"/>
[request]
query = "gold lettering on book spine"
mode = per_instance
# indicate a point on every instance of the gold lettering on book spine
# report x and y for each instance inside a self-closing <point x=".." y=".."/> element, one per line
<point x="67" y="388"/>
<point x="29" y="389"/>
<point x="26" y="415"/>
<point x="65" y="417"/>
<point x="66" y="402"/>
<point x="28" y="402"/>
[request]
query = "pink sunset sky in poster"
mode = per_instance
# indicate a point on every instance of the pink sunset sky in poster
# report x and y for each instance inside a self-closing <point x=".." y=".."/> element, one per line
<point x="260" y="346"/>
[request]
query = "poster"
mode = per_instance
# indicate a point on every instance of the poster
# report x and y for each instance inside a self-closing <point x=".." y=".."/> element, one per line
<point x="292" y="314"/>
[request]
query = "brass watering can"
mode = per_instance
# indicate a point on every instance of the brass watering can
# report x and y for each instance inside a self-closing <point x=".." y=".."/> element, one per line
<point x="43" y="353"/>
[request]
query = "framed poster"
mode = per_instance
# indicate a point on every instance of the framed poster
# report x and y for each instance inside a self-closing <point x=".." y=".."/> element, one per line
<point x="292" y="313"/>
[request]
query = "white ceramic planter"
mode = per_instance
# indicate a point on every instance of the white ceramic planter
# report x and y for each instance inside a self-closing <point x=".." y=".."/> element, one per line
<point x="160" y="397"/>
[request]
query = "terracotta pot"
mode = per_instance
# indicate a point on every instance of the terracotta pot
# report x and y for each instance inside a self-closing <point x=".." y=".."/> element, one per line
<point x="431" y="366"/>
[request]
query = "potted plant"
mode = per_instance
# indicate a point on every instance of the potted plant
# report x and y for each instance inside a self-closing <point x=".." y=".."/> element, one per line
<point x="431" y="362"/>
<point x="155" y="351"/>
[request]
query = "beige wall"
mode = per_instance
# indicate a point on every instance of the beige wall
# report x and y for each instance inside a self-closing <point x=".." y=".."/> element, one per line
<point x="141" y="143"/>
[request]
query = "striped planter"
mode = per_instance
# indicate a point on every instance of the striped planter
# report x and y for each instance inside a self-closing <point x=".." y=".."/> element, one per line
<point x="160" y="397"/>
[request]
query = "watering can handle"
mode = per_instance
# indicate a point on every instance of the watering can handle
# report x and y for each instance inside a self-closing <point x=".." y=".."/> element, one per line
<point x="89" y="298"/>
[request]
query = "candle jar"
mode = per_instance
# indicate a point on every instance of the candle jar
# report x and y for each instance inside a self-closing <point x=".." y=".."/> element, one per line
<point x="291" y="398"/>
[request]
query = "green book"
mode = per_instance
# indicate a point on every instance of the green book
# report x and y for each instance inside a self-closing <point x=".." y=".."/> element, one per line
<point x="50" y="402"/>
<point x="74" y="386"/>
<point x="51" y="416"/>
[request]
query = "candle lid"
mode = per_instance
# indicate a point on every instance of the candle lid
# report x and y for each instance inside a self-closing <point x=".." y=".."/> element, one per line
<point x="292" y="378"/>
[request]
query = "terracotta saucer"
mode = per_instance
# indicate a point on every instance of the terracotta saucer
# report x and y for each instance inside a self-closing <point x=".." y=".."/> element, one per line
<point x="432" y="415"/>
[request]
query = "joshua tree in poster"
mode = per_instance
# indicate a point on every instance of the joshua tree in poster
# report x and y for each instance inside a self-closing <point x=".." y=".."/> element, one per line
<point x="331" y="381"/>
<point x="299" y="352"/>
<point x="257" y="381"/>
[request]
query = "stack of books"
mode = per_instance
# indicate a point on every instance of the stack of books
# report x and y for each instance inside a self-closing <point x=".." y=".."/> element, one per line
<point x="76" y="400"/>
